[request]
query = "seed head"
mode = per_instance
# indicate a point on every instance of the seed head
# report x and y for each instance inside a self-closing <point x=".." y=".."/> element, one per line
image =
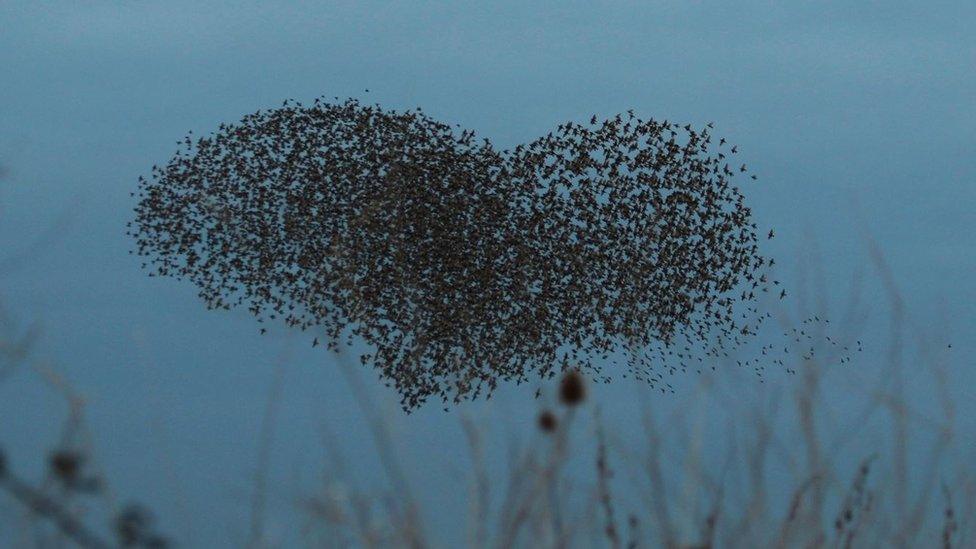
<point x="547" y="421"/>
<point x="66" y="465"/>
<point x="572" y="388"/>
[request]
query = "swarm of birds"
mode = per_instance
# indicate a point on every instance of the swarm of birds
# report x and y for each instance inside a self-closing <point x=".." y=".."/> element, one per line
<point x="458" y="265"/>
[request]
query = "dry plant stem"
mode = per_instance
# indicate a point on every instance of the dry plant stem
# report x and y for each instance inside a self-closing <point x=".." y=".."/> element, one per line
<point x="515" y="509"/>
<point x="603" y="485"/>
<point x="805" y="400"/>
<point x="551" y="471"/>
<point x="949" y="525"/>
<point x="718" y="488"/>
<point x="551" y="476"/>
<point x="14" y="352"/>
<point x="259" y="499"/>
<point x="53" y="511"/>
<point x="795" y="505"/>
<point x="653" y="465"/>
<point x="757" y="461"/>
<point x="480" y="500"/>
<point x="34" y="500"/>
<point x="909" y="524"/>
<point x="412" y="522"/>
<point x="545" y="481"/>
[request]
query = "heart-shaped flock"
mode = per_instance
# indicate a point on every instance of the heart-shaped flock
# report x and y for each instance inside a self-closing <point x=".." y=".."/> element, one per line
<point x="457" y="264"/>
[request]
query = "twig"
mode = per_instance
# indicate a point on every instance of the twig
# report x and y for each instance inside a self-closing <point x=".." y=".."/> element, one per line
<point x="385" y="448"/>
<point x="259" y="500"/>
<point x="50" y="509"/>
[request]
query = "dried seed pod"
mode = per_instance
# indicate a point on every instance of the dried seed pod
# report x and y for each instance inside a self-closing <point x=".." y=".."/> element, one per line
<point x="65" y="465"/>
<point x="547" y="421"/>
<point x="572" y="388"/>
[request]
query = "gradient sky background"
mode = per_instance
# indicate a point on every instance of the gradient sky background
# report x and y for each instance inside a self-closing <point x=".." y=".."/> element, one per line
<point x="855" y="116"/>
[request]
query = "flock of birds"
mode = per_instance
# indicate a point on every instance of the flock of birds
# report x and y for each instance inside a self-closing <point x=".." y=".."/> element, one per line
<point x="461" y="266"/>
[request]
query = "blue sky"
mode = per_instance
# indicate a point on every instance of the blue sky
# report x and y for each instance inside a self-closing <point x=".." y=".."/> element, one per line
<point x="855" y="115"/>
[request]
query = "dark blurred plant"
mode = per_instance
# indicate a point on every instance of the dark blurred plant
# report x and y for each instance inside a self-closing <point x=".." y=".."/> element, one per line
<point x="134" y="527"/>
<point x="68" y="466"/>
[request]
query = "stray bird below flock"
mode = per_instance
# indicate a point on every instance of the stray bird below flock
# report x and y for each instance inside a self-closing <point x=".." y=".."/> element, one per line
<point x="461" y="266"/>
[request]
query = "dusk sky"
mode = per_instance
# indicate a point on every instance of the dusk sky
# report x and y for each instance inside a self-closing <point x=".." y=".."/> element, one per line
<point x="859" y="120"/>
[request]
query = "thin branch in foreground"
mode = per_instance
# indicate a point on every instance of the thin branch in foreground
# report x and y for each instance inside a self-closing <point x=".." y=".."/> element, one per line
<point x="51" y="510"/>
